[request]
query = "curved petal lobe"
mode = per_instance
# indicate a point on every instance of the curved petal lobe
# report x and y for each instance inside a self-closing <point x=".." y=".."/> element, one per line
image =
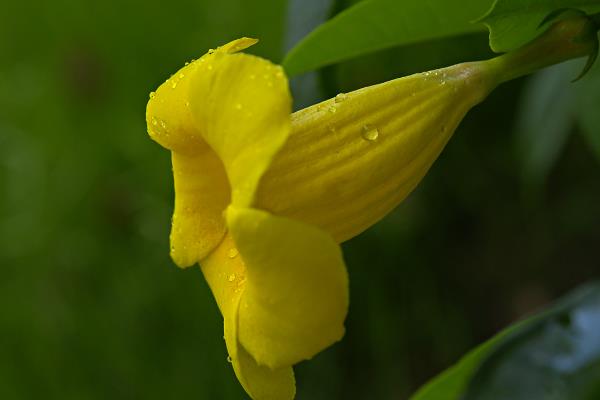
<point x="224" y="271"/>
<point x="296" y="293"/>
<point x="241" y="105"/>
<point x="201" y="195"/>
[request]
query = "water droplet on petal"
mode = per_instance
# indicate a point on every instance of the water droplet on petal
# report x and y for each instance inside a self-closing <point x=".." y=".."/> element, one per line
<point x="181" y="75"/>
<point x="229" y="359"/>
<point x="174" y="85"/>
<point x="154" y="121"/>
<point x="232" y="253"/>
<point x="370" y="133"/>
<point x="152" y="95"/>
<point x="231" y="278"/>
<point x="332" y="109"/>
<point x="340" y="97"/>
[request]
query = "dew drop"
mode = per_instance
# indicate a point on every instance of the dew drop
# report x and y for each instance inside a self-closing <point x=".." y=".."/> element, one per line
<point x="174" y="85"/>
<point x="340" y="97"/>
<point x="181" y="75"/>
<point x="231" y="278"/>
<point x="232" y="253"/>
<point x="332" y="109"/>
<point x="152" y="95"/>
<point x="154" y="121"/>
<point x="370" y="133"/>
<point x="229" y="359"/>
<point x="211" y="51"/>
<point x="186" y="63"/>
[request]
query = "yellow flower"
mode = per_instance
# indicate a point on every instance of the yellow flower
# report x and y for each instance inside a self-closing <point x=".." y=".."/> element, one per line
<point x="263" y="197"/>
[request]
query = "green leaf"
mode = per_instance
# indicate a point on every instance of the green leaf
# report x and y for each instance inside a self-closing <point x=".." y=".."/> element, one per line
<point x="513" y="23"/>
<point x="587" y="105"/>
<point x="378" y="24"/>
<point x="450" y="384"/>
<point x="565" y="337"/>
<point x="558" y="357"/>
<point x="545" y="119"/>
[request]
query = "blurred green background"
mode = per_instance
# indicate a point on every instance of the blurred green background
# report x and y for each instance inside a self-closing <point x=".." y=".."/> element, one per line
<point x="91" y="307"/>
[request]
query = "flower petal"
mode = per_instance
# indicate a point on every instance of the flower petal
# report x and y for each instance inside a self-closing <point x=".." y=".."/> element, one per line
<point x="351" y="159"/>
<point x="263" y="383"/>
<point x="241" y="105"/>
<point x="295" y="298"/>
<point x="201" y="195"/>
<point x="223" y="117"/>
<point x="201" y="188"/>
<point x="224" y="271"/>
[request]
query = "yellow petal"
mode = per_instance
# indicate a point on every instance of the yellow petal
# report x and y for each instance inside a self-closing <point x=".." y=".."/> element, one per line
<point x="351" y="159"/>
<point x="224" y="271"/>
<point x="295" y="298"/>
<point x="263" y="383"/>
<point x="223" y="116"/>
<point x="237" y="45"/>
<point x="241" y="105"/>
<point x="201" y="195"/>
